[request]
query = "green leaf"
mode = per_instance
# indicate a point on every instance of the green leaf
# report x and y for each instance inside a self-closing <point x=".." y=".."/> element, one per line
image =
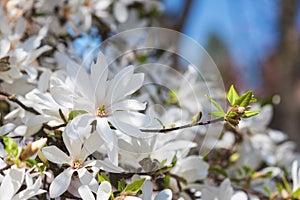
<point x="75" y="113"/>
<point x="174" y="160"/>
<point x="217" y="114"/>
<point x="279" y="187"/>
<point x="232" y="95"/>
<point x="231" y="114"/>
<point x="102" y="177"/>
<point x="244" y="100"/>
<point x="219" y="108"/>
<point x="286" y="185"/>
<point x="121" y="184"/>
<point x="167" y="181"/>
<point x="296" y="194"/>
<point x="250" y="113"/>
<point x="218" y="170"/>
<point x="267" y="190"/>
<point x="135" y="186"/>
<point x="11" y="147"/>
<point x="31" y="162"/>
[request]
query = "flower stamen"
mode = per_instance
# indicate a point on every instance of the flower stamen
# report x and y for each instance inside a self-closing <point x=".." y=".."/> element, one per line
<point x="101" y="111"/>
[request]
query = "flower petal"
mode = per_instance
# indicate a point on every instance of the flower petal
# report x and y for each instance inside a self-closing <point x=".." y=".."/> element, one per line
<point x="128" y="104"/>
<point x="6" y="128"/>
<point x="55" y="155"/>
<point x="61" y="183"/>
<point x="85" y="193"/>
<point x="165" y="194"/>
<point x="104" y="191"/>
<point x="12" y="182"/>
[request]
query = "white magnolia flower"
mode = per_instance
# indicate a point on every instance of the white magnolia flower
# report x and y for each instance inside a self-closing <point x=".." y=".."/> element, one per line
<point x="79" y="146"/>
<point x="13" y="181"/>
<point x="22" y="57"/>
<point x="104" y="100"/>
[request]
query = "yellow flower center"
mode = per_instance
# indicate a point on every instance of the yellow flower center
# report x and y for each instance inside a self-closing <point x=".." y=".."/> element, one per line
<point x="101" y="111"/>
<point x="76" y="164"/>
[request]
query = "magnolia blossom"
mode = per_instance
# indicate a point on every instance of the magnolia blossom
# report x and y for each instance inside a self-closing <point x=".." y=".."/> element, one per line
<point x="104" y="100"/>
<point x="79" y="146"/>
<point x="13" y="181"/>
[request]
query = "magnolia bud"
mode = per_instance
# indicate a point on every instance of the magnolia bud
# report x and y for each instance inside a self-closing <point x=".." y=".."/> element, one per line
<point x="32" y="148"/>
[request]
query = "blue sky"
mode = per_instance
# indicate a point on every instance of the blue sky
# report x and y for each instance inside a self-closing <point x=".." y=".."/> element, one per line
<point x="248" y="28"/>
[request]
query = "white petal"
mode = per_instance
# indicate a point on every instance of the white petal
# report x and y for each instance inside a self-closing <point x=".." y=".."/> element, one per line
<point x="240" y="195"/>
<point x="6" y="128"/>
<point x="86" y="178"/>
<point x="92" y="143"/>
<point x="104" y="130"/>
<point x="43" y="84"/>
<point x="61" y="183"/>
<point x="120" y="12"/>
<point x="106" y="166"/>
<point x="118" y="85"/>
<point x="104" y="191"/>
<point x="12" y="182"/>
<point x="134" y="84"/>
<point x="4" y="47"/>
<point x="128" y="104"/>
<point x="85" y="193"/>
<point x="226" y="189"/>
<point x="55" y="155"/>
<point x="99" y="72"/>
<point x="82" y="80"/>
<point x="166" y="194"/>
<point x="295" y="175"/>
<point x="147" y="190"/>
<point x="73" y="145"/>
<point x="127" y="128"/>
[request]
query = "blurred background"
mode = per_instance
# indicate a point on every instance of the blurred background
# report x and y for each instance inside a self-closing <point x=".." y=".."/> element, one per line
<point x="255" y="45"/>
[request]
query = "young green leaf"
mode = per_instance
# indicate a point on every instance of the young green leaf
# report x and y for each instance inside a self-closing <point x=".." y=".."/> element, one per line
<point x="244" y="100"/>
<point x="219" y="108"/>
<point x="296" y="194"/>
<point x="11" y="147"/>
<point x="102" y="177"/>
<point x="267" y="190"/>
<point x="232" y="95"/>
<point x="250" y="113"/>
<point x="135" y="186"/>
<point x="121" y="184"/>
<point x="217" y="114"/>
<point x="75" y="113"/>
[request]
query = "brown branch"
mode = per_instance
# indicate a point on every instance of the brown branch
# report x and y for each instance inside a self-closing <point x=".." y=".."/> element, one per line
<point x="13" y="98"/>
<point x="164" y="130"/>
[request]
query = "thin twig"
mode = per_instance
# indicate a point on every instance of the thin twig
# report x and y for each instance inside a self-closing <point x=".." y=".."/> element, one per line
<point x="164" y="130"/>
<point x="13" y="98"/>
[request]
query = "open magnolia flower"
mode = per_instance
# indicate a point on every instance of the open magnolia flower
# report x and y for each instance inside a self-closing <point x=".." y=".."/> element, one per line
<point x="79" y="149"/>
<point x="12" y="182"/>
<point x="105" y="101"/>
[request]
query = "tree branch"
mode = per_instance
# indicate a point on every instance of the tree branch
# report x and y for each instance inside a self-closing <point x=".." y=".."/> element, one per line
<point x="13" y="98"/>
<point x="182" y="127"/>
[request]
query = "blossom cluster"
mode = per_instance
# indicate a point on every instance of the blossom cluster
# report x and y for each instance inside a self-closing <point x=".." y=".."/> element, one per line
<point x="78" y="128"/>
